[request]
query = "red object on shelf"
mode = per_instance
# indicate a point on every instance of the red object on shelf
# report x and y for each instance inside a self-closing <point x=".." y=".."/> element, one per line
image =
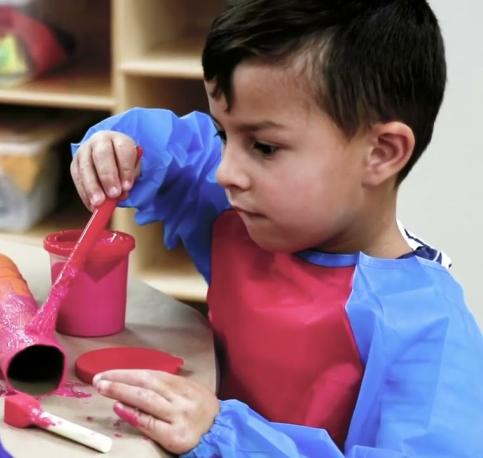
<point x="40" y="42"/>
<point x="93" y="362"/>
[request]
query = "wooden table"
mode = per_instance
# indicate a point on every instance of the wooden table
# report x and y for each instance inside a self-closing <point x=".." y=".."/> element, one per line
<point x="153" y="320"/>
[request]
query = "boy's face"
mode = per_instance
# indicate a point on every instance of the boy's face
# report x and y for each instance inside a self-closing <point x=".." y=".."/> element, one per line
<point x="291" y="174"/>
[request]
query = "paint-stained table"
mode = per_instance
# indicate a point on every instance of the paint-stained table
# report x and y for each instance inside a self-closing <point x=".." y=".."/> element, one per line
<point x="153" y="320"/>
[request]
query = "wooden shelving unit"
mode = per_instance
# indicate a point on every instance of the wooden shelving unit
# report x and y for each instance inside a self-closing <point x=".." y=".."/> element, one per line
<point x="180" y="59"/>
<point x="65" y="218"/>
<point x="82" y="85"/>
<point x="130" y="53"/>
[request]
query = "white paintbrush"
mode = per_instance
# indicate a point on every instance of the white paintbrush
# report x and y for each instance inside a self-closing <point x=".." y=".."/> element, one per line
<point x="22" y="411"/>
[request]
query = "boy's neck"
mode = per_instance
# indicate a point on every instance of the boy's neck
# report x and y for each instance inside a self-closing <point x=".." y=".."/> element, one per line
<point x="386" y="239"/>
<point x="388" y="243"/>
<point x="376" y="233"/>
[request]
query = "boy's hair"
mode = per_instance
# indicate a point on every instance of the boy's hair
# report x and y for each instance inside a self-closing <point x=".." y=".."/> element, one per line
<point x="368" y="60"/>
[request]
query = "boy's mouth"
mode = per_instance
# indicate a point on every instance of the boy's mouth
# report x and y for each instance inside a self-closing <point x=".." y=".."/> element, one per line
<point x="245" y="212"/>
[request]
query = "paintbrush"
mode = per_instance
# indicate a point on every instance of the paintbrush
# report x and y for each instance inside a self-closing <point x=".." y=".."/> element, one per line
<point x="44" y="321"/>
<point x="22" y="411"/>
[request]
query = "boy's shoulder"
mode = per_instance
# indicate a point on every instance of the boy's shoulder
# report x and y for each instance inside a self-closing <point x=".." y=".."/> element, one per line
<point x="408" y="305"/>
<point x="417" y="298"/>
<point x="419" y="281"/>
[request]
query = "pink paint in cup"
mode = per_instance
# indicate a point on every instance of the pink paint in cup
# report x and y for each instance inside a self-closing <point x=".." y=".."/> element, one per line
<point x="96" y="303"/>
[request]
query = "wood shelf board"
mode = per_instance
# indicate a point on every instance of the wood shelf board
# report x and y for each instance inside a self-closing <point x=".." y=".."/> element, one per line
<point x="184" y="284"/>
<point x="181" y="59"/>
<point x="66" y="218"/>
<point x="83" y="85"/>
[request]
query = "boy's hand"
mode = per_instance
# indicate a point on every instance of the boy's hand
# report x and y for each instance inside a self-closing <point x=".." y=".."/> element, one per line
<point x="104" y="165"/>
<point x="171" y="410"/>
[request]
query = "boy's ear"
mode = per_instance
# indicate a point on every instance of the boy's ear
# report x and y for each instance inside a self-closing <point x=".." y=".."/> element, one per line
<point x="392" y="147"/>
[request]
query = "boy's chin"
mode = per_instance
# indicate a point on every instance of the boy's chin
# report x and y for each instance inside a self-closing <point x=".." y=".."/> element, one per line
<point x="271" y="240"/>
<point x="274" y="245"/>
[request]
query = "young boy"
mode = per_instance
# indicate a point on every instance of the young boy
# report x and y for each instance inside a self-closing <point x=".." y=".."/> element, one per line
<point x="334" y="337"/>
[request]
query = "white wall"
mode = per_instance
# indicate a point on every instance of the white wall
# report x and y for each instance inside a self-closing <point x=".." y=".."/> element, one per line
<point x="442" y="199"/>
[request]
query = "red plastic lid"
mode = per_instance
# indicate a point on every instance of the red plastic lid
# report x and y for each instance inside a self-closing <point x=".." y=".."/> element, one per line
<point x="112" y="244"/>
<point x="104" y="359"/>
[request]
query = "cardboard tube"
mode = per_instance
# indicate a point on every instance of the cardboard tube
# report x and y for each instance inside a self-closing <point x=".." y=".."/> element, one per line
<point x="30" y="361"/>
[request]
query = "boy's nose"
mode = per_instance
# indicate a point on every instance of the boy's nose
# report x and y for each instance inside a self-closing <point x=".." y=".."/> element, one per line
<point x="232" y="172"/>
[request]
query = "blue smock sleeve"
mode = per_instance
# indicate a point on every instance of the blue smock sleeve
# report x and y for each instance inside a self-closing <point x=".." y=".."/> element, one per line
<point x="4" y="453"/>
<point x="421" y="395"/>
<point x="238" y="431"/>
<point x="177" y="183"/>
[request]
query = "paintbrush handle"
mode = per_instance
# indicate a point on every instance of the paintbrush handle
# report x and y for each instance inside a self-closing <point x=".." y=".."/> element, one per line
<point x="73" y="431"/>
<point x="96" y="224"/>
<point x="90" y="235"/>
<point x="44" y="321"/>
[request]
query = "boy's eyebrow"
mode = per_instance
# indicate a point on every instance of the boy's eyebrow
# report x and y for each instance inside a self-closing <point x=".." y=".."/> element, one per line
<point x="253" y="126"/>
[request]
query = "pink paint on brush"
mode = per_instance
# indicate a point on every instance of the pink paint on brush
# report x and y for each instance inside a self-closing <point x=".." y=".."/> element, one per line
<point x="23" y="411"/>
<point x="45" y="320"/>
<point x="126" y="414"/>
<point x="75" y="321"/>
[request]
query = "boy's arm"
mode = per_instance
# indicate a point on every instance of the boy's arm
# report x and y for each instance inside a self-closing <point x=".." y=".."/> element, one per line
<point x="446" y="431"/>
<point x="239" y="431"/>
<point x="177" y="182"/>
<point x="421" y="395"/>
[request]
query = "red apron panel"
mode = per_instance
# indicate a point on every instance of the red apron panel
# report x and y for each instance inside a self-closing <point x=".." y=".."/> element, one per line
<point x="285" y="343"/>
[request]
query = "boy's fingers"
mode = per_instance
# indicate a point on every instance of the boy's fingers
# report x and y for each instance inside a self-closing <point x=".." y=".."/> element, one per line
<point x="143" y="399"/>
<point x="88" y="177"/>
<point x="149" y="379"/>
<point x="74" y="171"/>
<point x="104" y="161"/>
<point x="125" y="154"/>
<point x="163" y="383"/>
<point x="174" y="437"/>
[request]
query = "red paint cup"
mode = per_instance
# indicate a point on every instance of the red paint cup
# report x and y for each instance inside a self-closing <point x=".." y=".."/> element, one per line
<point x="96" y="303"/>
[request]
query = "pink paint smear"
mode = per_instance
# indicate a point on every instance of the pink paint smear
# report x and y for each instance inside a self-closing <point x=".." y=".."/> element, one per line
<point x="44" y="321"/>
<point x="4" y="391"/>
<point x="71" y="390"/>
<point x="67" y="390"/>
<point x="117" y="424"/>
<point x="40" y="420"/>
<point x="126" y="414"/>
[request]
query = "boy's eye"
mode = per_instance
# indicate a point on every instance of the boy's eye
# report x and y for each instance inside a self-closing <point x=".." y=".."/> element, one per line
<point x="221" y="134"/>
<point x="265" y="149"/>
